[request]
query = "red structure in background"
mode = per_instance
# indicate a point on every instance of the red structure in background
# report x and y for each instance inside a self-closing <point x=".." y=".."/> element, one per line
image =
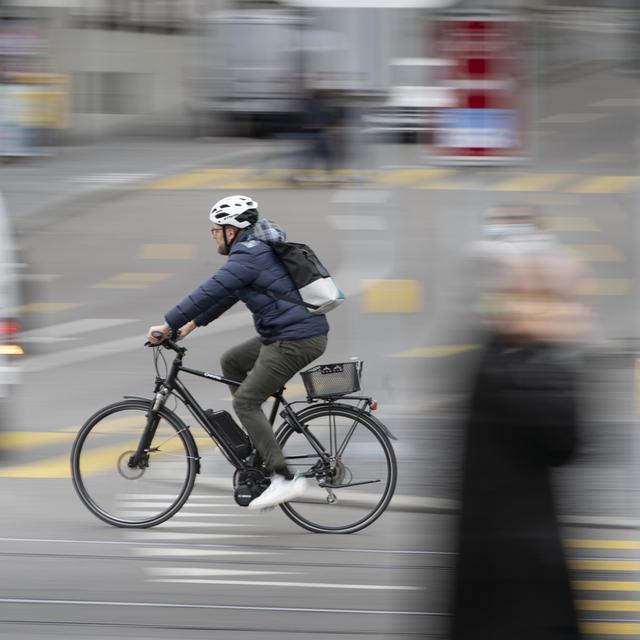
<point x="485" y="77"/>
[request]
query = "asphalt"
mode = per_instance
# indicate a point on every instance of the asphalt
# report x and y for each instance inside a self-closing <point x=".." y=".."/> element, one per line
<point x="41" y="190"/>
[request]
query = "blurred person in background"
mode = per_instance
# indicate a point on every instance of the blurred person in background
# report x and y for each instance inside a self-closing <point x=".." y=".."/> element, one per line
<point x="319" y="116"/>
<point x="512" y="580"/>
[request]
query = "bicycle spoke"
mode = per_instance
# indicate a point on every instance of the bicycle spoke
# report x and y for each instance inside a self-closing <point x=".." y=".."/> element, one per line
<point x="104" y="479"/>
<point x="357" y="480"/>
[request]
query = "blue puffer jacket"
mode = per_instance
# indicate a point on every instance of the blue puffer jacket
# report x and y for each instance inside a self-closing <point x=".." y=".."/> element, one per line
<point x="251" y="262"/>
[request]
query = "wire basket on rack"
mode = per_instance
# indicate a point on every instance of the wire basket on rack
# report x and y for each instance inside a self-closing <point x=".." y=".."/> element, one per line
<point x="332" y="380"/>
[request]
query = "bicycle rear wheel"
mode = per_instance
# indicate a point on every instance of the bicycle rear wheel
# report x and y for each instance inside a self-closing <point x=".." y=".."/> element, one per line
<point x="133" y="497"/>
<point x="362" y="471"/>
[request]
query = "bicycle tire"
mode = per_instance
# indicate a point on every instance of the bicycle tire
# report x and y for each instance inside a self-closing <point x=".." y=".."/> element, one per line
<point x="98" y="462"/>
<point x="374" y="507"/>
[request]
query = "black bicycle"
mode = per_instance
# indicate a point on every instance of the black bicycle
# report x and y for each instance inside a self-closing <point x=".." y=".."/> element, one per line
<point x="134" y="463"/>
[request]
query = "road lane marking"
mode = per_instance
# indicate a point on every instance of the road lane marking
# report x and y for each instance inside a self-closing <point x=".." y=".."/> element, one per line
<point x="533" y="182"/>
<point x="77" y="327"/>
<point x="577" y="543"/>
<point x="568" y="223"/>
<point x="571" y="118"/>
<point x="184" y="536"/>
<point x="230" y="607"/>
<point x="171" y="496"/>
<point x="92" y="462"/>
<point x="595" y="253"/>
<point x="179" y="524"/>
<point x="361" y="196"/>
<point x="80" y="354"/>
<point x="438" y="351"/>
<point x="357" y="223"/>
<point x="188" y="180"/>
<point x="605" y="585"/>
<point x="146" y="504"/>
<point x="192" y="572"/>
<point x="611" y="628"/>
<point x="412" y="177"/>
<point x="295" y="585"/>
<point x="172" y="251"/>
<point x="167" y="552"/>
<point x="608" y="605"/>
<point x="605" y="184"/>
<point x="603" y="287"/>
<point x="29" y="439"/>
<point x="44" y="307"/>
<point x="132" y="280"/>
<point x="605" y="565"/>
<point x="183" y="515"/>
<point x="392" y="296"/>
<point x="617" y="102"/>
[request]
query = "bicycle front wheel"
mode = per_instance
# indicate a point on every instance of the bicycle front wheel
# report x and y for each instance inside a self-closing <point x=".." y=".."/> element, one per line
<point x="355" y="488"/>
<point x="142" y="496"/>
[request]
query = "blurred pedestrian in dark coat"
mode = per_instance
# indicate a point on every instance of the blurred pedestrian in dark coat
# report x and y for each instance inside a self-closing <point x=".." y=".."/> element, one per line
<point x="512" y="581"/>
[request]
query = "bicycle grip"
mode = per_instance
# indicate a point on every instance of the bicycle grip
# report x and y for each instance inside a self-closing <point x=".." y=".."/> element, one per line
<point x="158" y="335"/>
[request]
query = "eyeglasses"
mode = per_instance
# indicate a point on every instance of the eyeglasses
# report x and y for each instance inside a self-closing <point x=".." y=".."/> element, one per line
<point x="216" y="230"/>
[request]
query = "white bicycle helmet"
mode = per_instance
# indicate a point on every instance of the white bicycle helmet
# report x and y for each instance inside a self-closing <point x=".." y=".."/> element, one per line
<point x="236" y="211"/>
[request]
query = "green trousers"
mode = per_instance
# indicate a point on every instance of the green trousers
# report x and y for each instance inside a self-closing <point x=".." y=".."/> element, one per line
<point x="263" y="369"/>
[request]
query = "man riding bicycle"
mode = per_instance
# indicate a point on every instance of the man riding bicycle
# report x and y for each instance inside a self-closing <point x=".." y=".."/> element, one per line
<point x="290" y="337"/>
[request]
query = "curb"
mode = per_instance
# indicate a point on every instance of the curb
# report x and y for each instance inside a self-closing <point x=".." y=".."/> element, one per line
<point x="442" y="506"/>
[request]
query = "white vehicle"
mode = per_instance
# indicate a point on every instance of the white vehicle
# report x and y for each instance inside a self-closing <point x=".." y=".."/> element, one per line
<point x="247" y="69"/>
<point x="413" y="101"/>
<point x="251" y="67"/>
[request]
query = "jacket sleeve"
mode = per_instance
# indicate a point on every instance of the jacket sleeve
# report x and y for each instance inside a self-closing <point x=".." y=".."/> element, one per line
<point x="216" y="295"/>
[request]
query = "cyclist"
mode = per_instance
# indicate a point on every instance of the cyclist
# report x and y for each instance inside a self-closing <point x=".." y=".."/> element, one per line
<point x="290" y="337"/>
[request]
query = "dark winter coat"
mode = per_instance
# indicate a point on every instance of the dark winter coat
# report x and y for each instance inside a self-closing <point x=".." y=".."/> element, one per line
<point x="512" y="581"/>
<point x="252" y="263"/>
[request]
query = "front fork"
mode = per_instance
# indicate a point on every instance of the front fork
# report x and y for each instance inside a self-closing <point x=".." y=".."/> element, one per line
<point x="140" y="459"/>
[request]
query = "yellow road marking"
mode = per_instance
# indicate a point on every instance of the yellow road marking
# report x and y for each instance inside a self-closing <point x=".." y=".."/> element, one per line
<point x="93" y="462"/>
<point x="596" y="253"/>
<point x="606" y="184"/>
<point x="184" y="180"/>
<point x="603" y="287"/>
<point x="533" y="182"/>
<point x="130" y="280"/>
<point x="568" y="223"/>
<point x="447" y="185"/>
<point x="576" y="543"/>
<point x="167" y="252"/>
<point x="611" y="628"/>
<point x="412" y="177"/>
<point x="392" y="296"/>
<point x="605" y="585"/>
<point x="28" y="439"/>
<point x="439" y="351"/>
<point x="44" y="307"/>
<point x="608" y="605"/>
<point x="113" y="425"/>
<point x="605" y="565"/>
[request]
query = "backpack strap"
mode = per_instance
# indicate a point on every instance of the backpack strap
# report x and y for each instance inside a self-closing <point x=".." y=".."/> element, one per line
<point x="279" y="296"/>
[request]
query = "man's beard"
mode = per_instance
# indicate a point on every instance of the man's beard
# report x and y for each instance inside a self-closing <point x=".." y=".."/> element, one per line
<point x="223" y="251"/>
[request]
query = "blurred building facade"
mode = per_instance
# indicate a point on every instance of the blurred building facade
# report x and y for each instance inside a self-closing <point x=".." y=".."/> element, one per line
<point x="98" y="67"/>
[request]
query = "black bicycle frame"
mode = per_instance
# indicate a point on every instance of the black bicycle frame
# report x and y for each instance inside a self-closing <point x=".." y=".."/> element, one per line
<point x="172" y="384"/>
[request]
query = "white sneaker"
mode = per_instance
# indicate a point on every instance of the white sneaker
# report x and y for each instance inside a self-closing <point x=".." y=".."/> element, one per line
<point x="280" y="490"/>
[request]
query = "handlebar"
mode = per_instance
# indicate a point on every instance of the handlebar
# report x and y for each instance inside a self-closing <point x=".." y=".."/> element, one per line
<point x="167" y="342"/>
